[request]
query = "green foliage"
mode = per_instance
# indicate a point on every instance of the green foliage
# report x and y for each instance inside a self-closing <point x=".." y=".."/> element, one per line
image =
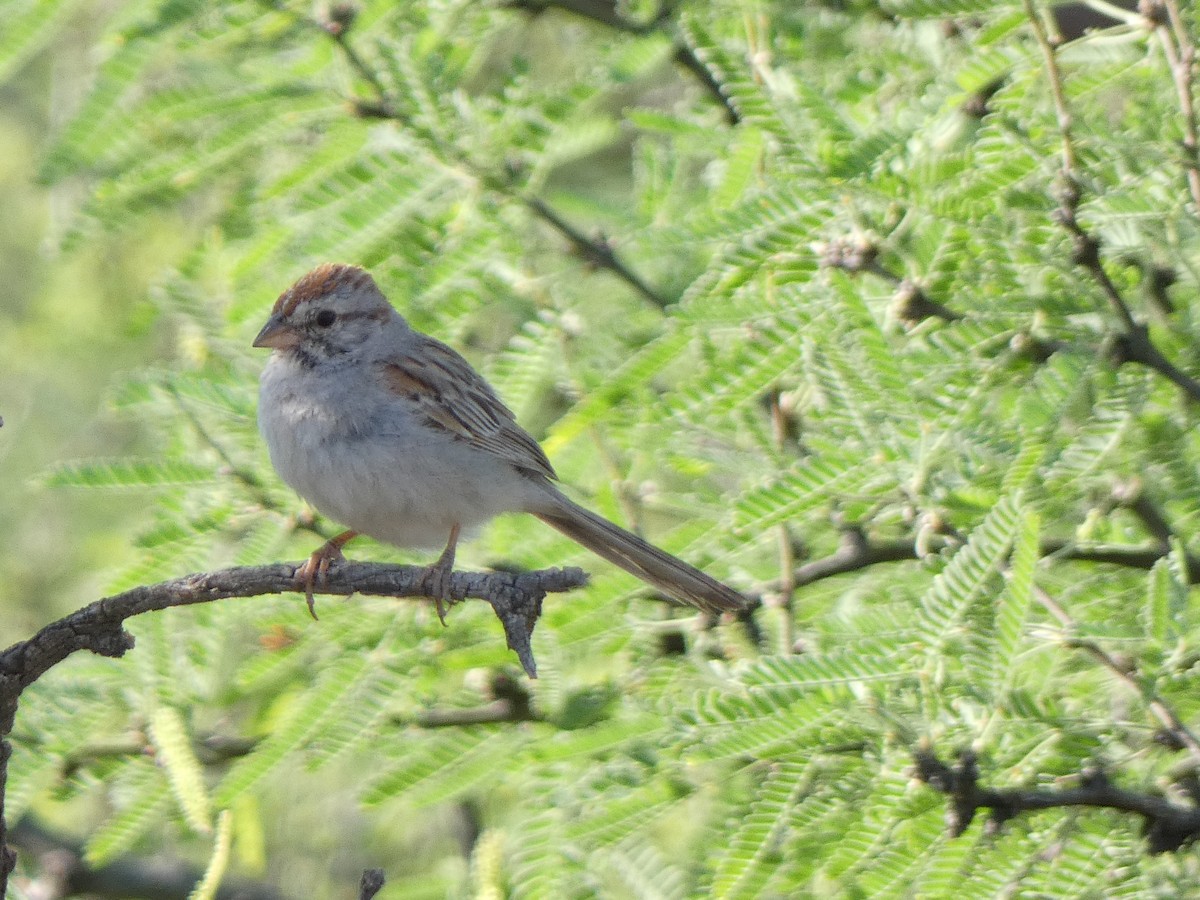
<point x="864" y="323"/>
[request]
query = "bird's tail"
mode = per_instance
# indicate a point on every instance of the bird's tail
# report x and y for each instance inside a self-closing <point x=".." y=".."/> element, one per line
<point x="656" y="567"/>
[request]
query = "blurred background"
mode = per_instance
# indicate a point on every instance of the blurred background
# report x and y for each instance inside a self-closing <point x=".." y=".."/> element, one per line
<point x="71" y="320"/>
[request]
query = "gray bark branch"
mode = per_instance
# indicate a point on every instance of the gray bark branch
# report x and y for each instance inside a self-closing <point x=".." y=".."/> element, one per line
<point x="516" y="599"/>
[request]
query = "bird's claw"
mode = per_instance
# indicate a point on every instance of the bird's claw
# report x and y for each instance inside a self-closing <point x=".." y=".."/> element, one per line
<point x="436" y="584"/>
<point x="316" y="571"/>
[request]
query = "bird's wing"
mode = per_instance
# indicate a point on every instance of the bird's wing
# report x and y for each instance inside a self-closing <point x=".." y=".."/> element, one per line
<point x="453" y="397"/>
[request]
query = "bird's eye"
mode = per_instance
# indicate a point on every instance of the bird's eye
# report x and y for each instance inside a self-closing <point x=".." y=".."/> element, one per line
<point x="326" y="317"/>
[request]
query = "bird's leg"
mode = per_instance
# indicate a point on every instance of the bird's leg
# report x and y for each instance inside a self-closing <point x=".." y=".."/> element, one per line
<point x="317" y="567"/>
<point x="437" y="576"/>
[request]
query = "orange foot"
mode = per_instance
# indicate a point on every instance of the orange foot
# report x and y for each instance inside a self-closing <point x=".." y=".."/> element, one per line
<point x="316" y="569"/>
<point x="437" y="577"/>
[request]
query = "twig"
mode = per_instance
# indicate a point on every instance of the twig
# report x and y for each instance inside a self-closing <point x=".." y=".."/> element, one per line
<point x="856" y="552"/>
<point x="781" y="432"/>
<point x="1168" y="826"/>
<point x="1057" y="90"/>
<point x="598" y="252"/>
<point x="489" y="714"/>
<point x="1126" y="673"/>
<point x="512" y="702"/>
<point x="604" y="12"/>
<point x="686" y="57"/>
<point x="1134" y="344"/>
<point x="1180" y="53"/>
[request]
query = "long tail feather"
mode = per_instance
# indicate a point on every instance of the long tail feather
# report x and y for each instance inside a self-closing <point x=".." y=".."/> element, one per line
<point x="625" y="549"/>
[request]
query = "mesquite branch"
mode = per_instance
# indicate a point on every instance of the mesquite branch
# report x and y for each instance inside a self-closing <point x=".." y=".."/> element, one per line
<point x="99" y="626"/>
<point x="1168" y="826"/>
<point x="1134" y="343"/>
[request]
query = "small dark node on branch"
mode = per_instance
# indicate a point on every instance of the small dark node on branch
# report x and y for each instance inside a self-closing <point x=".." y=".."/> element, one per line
<point x="340" y="18"/>
<point x="370" y="884"/>
<point x="1035" y="349"/>
<point x="977" y="105"/>
<point x="786" y="423"/>
<point x="372" y="109"/>
<point x="950" y="29"/>
<point x="1169" y="740"/>
<point x="1167" y="826"/>
<point x="1154" y="12"/>
<point x="1120" y="348"/>
<point x="1068" y="196"/>
<point x="911" y="305"/>
<point x="1189" y="781"/>
<point x="1086" y="250"/>
<point x="750" y="622"/>
<point x="672" y="643"/>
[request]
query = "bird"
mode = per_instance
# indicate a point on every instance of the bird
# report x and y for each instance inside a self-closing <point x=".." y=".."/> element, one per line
<point x="393" y="434"/>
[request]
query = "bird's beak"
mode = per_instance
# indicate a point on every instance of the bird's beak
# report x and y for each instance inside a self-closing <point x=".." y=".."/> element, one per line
<point x="277" y="334"/>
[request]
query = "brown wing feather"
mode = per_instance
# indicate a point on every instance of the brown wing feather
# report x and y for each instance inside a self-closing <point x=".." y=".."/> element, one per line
<point x="454" y="397"/>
